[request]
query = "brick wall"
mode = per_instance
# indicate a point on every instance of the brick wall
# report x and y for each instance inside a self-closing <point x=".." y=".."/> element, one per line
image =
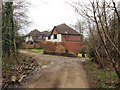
<point x="73" y="47"/>
<point x="55" y="32"/>
<point x="71" y="38"/>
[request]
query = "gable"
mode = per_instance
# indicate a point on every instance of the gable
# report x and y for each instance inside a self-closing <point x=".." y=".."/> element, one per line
<point x="54" y="31"/>
<point x="64" y="29"/>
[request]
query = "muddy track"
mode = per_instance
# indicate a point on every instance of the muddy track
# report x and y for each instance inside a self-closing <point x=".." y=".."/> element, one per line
<point x="62" y="72"/>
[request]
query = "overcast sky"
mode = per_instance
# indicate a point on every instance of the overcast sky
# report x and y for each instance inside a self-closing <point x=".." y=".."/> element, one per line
<point x="45" y="14"/>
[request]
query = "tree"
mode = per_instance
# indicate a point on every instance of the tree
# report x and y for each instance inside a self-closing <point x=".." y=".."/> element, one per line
<point x="80" y="27"/>
<point x="98" y="16"/>
<point x="8" y="32"/>
<point x="20" y="14"/>
<point x="13" y="19"/>
<point x="0" y="35"/>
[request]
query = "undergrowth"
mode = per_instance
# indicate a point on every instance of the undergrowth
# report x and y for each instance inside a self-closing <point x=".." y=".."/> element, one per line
<point x="100" y="78"/>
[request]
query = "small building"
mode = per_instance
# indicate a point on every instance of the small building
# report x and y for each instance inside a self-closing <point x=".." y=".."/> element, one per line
<point x="65" y="34"/>
<point x="33" y="39"/>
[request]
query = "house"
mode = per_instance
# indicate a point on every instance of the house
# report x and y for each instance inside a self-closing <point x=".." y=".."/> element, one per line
<point x="36" y="35"/>
<point x="65" y="34"/>
<point x="33" y="38"/>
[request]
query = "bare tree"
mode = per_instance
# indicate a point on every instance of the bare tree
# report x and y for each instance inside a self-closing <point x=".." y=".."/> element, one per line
<point x="99" y="15"/>
<point x="20" y="14"/>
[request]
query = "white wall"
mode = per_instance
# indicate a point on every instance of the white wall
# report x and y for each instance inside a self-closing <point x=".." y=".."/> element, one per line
<point x="28" y="38"/>
<point x="59" y="39"/>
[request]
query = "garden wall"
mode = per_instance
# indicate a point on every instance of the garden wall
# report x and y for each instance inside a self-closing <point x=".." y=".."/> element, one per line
<point x="34" y="45"/>
<point x="26" y="46"/>
<point x="73" y="47"/>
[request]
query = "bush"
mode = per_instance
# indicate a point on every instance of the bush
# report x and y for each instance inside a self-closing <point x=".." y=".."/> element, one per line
<point x="57" y="48"/>
<point x="43" y="44"/>
<point x="60" y="49"/>
<point x="53" y="48"/>
<point x="66" y="51"/>
<point x="59" y="43"/>
<point x="50" y="47"/>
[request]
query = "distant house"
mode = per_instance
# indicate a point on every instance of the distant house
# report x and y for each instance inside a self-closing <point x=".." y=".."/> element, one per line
<point x="34" y="37"/>
<point x="64" y="33"/>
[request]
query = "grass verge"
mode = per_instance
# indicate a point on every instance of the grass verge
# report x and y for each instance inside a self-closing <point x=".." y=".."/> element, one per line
<point x="100" y="78"/>
<point x="36" y="50"/>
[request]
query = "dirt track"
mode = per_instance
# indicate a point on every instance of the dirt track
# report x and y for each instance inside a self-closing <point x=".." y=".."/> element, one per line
<point x="62" y="72"/>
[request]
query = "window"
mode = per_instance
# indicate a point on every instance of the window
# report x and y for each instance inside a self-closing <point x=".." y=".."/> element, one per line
<point x="55" y="36"/>
<point x="49" y="37"/>
<point x="43" y="37"/>
<point x="39" y="37"/>
<point x="31" y="43"/>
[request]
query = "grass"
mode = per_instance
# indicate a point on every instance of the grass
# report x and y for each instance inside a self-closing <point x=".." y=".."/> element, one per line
<point x="36" y="50"/>
<point x="100" y="78"/>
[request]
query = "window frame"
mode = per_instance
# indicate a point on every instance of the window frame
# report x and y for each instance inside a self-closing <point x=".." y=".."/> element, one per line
<point x="54" y="36"/>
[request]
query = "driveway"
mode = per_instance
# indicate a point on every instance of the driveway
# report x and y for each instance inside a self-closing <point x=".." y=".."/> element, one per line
<point x="60" y="72"/>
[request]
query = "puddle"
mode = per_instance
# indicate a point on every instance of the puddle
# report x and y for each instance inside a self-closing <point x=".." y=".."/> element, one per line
<point x="45" y="66"/>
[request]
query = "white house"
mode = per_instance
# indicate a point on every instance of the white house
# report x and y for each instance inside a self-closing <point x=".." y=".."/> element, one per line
<point x="28" y="38"/>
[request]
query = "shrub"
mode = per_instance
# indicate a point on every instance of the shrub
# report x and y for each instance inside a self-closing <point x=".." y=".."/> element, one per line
<point x="50" y="47"/>
<point x="66" y="51"/>
<point x="57" y="48"/>
<point x="60" y="49"/>
<point x="59" y="43"/>
<point x="43" y="44"/>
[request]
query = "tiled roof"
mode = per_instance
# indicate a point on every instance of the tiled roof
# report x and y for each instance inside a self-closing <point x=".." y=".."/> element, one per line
<point x="35" y="33"/>
<point x="65" y="29"/>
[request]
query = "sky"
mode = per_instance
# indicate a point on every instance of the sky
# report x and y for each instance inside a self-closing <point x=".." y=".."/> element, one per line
<point x="45" y="14"/>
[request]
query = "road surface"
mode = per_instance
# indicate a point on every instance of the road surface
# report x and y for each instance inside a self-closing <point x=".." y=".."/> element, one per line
<point x="61" y="72"/>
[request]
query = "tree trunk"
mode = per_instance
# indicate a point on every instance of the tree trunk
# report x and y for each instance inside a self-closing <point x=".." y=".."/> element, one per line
<point x="9" y="32"/>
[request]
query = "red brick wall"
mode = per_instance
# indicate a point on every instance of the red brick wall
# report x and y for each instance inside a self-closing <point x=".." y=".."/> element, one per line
<point x="70" y="38"/>
<point x="55" y="32"/>
<point x="73" y="47"/>
<point x="72" y="42"/>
